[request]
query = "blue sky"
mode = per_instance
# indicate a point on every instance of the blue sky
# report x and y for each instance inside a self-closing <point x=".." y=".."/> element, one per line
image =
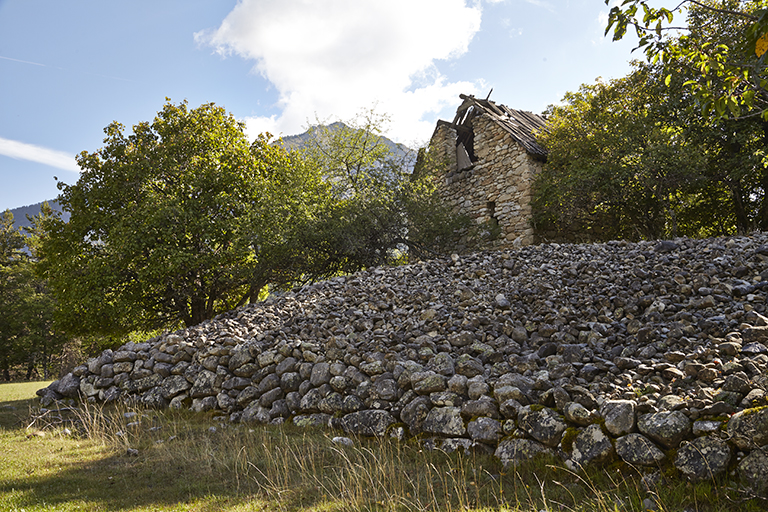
<point x="68" y="69"/>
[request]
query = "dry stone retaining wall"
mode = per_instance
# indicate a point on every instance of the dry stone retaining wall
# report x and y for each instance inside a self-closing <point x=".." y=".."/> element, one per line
<point x="654" y="353"/>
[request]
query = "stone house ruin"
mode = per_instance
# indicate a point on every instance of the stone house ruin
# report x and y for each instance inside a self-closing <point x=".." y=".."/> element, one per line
<point x="488" y="158"/>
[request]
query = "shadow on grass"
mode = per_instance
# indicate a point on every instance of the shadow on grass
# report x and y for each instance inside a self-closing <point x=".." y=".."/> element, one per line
<point x="119" y="482"/>
<point x="183" y="462"/>
<point x="13" y="414"/>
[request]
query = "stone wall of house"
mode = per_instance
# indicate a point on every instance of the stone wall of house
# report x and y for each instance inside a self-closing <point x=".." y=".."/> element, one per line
<point x="496" y="190"/>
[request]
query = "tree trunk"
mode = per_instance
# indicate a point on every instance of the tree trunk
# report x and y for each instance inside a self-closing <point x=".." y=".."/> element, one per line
<point x="742" y="221"/>
<point x="197" y="313"/>
<point x="763" y="221"/>
<point x="30" y="367"/>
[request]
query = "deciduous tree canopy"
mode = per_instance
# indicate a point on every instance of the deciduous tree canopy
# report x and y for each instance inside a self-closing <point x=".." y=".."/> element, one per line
<point x="723" y="41"/>
<point x="169" y="224"/>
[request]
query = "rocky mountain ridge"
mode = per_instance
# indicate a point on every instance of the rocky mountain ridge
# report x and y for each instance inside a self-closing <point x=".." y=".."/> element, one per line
<point x="651" y="352"/>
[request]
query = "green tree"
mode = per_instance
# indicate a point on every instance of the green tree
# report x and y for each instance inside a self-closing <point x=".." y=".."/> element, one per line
<point x="28" y="339"/>
<point x="724" y="41"/>
<point x="381" y="209"/>
<point x="691" y="120"/>
<point x="171" y="224"/>
<point x="617" y="164"/>
<point x="12" y="282"/>
<point x="43" y="338"/>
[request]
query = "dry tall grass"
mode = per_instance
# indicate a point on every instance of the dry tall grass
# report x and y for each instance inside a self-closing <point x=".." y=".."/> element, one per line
<point x="120" y="457"/>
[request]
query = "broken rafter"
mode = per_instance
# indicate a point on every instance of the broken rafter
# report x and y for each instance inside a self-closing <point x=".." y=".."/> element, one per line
<point x="521" y="125"/>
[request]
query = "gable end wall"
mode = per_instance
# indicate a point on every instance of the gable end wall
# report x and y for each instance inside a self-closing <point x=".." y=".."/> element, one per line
<point x="501" y="178"/>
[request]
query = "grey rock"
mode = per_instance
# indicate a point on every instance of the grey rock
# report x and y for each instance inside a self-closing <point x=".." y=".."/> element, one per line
<point x="442" y="363"/>
<point x="225" y="402"/>
<point x="344" y="441"/>
<point x="510" y="408"/>
<point x="174" y="385"/>
<point x="485" y="430"/>
<point x="254" y="413"/>
<point x="203" y="404"/>
<point x="504" y="393"/>
<point x="368" y="423"/>
<point x="458" y="384"/>
<point x="87" y="388"/>
<point x="312" y="420"/>
<point x="485" y="406"/>
<point x="247" y="395"/>
<point x="514" y="451"/>
<point x="592" y="446"/>
<point x="636" y="449"/>
<point x="182" y="401"/>
<point x="446" y="421"/>
<point x="428" y="382"/>
<point x="704" y="458"/>
<point x="738" y="383"/>
<point x="748" y="429"/>
<point x="542" y="424"/>
<point x="706" y="427"/>
<point x="321" y="374"/>
<point x="95" y="364"/>
<point x="667" y="428"/>
<point x="68" y="386"/>
<point x="153" y="398"/>
<point x="204" y="384"/>
<point x="578" y="414"/>
<point x="468" y="366"/>
<point x="415" y="413"/>
<point x="619" y="416"/>
<point x="754" y="348"/>
<point x="238" y="357"/>
<point x="753" y="470"/>
<point x="477" y="387"/>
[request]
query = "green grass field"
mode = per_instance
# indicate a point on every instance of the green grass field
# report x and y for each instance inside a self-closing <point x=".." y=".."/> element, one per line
<point x="80" y="460"/>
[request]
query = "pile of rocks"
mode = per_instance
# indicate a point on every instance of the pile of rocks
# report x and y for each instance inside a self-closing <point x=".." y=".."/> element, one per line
<point x="651" y="352"/>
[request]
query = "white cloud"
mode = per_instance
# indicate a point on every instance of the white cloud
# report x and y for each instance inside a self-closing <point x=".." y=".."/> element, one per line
<point x="39" y="154"/>
<point x="542" y="4"/>
<point x="336" y="58"/>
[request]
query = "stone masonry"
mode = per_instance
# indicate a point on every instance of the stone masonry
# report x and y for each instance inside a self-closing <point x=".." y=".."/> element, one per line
<point x="488" y="159"/>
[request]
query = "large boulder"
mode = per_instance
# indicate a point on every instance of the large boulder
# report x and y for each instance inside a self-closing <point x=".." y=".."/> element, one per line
<point x="748" y="429"/>
<point x="592" y="446"/>
<point x="638" y="450"/>
<point x="704" y="458"/>
<point x="542" y="424"/>
<point x="667" y="428"/>
<point x="370" y="422"/>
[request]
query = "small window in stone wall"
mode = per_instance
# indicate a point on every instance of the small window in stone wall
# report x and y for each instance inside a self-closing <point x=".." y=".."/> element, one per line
<point x="490" y="208"/>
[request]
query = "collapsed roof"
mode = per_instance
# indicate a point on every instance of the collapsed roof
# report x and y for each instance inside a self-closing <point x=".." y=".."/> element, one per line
<point x="520" y="125"/>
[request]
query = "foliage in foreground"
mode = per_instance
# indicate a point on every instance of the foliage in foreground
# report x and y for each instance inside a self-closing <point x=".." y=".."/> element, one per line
<point x="194" y="462"/>
<point x="731" y="73"/>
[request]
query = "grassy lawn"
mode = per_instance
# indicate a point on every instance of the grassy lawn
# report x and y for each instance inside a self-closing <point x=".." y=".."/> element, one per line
<point x="80" y="460"/>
